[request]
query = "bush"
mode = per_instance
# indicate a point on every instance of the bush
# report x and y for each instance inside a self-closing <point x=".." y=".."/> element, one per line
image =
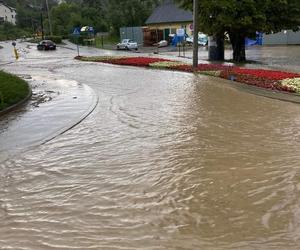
<point x="56" y="39"/>
<point x="76" y="39"/>
<point x="12" y="90"/>
<point x="11" y="32"/>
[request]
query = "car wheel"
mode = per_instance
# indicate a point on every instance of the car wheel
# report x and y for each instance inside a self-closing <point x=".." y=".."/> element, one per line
<point x="126" y="48"/>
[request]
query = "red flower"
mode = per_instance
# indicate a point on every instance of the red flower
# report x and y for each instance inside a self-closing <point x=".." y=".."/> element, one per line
<point x="136" y="61"/>
<point x="202" y="67"/>
<point x="263" y="73"/>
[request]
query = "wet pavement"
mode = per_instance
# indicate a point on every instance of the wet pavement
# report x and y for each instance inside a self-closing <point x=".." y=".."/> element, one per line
<point x="167" y="160"/>
<point x="271" y="57"/>
<point x="55" y="106"/>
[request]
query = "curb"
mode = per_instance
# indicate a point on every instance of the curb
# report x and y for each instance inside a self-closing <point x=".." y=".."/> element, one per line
<point x="251" y="89"/>
<point x="6" y="155"/>
<point x="18" y="104"/>
<point x="267" y="93"/>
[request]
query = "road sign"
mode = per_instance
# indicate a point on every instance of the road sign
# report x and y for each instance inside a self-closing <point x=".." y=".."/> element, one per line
<point x="76" y="32"/>
<point x="180" y="32"/>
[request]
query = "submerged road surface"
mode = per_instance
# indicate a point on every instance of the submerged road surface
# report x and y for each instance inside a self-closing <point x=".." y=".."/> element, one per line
<point x="167" y="160"/>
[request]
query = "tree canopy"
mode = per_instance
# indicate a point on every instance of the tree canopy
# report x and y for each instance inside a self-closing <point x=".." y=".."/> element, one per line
<point x="242" y="18"/>
<point x="103" y="15"/>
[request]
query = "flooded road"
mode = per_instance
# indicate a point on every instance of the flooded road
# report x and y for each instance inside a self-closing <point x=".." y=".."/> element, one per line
<point x="167" y="160"/>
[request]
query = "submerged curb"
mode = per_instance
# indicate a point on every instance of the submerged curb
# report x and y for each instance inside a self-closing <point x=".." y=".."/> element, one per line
<point x="91" y="105"/>
<point x="263" y="82"/>
<point x="272" y="94"/>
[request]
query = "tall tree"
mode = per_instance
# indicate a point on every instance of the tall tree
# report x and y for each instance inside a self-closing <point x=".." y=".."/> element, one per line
<point x="242" y="18"/>
<point x="123" y="13"/>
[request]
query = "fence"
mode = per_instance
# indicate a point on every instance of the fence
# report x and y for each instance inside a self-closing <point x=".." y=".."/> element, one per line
<point x="133" y="33"/>
<point x="285" y="37"/>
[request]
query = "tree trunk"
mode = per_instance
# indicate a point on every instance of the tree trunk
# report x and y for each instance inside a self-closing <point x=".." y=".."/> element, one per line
<point x="220" y="46"/>
<point x="238" y="45"/>
<point x="216" y="48"/>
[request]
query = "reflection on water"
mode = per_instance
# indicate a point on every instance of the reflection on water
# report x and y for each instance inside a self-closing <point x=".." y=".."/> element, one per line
<point x="167" y="161"/>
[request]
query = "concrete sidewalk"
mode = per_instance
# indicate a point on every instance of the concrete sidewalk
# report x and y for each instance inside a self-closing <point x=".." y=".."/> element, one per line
<point x="56" y="105"/>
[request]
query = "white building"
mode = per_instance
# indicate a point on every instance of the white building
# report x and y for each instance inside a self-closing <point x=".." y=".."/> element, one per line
<point x="7" y="14"/>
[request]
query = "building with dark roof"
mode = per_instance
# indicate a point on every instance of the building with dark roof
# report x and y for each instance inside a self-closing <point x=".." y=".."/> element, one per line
<point x="7" y="13"/>
<point x="169" y="12"/>
<point x="165" y="20"/>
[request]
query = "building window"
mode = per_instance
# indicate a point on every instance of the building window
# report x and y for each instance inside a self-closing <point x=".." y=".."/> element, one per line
<point x="12" y="16"/>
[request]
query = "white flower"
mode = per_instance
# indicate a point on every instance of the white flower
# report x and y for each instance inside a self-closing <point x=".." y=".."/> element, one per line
<point x="166" y="64"/>
<point x="293" y="83"/>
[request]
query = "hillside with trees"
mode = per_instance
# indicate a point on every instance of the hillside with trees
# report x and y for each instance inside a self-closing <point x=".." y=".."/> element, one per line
<point x="103" y="15"/>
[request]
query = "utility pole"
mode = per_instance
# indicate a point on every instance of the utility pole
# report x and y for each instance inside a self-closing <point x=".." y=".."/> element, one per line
<point x="196" y="31"/>
<point x="42" y="25"/>
<point x="49" y="18"/>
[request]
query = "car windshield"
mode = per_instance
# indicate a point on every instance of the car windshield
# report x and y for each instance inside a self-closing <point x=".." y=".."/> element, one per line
<point x="46" y="42"/>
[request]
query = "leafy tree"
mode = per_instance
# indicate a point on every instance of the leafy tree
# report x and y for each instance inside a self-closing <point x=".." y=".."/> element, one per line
<point x="103" y="15"/>
<point x="123" y="13"/>
<point x="242" y="18"/>
<point x="65" y="17"/>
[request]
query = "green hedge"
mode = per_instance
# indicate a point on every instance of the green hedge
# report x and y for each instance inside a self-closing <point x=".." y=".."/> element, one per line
<point x="11" y="32"/>
<point x="56" y="39"/>
<point x="12" y="90"/>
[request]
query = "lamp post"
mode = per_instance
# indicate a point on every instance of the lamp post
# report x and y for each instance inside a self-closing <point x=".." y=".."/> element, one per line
<point x="196" y="30"/>
<point x="42" y="25"/>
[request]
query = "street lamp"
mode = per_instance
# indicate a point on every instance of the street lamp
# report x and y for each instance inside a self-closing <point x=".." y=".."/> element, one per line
<point x="196" y="30"/>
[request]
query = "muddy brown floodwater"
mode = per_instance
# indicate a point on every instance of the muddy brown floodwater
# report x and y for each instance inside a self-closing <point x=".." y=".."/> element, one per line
<point x="166" y="161"/>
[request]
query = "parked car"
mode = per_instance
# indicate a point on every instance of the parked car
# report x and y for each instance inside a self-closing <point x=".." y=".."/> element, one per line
<point x="127" y="44"/>
<point x="162" y="43"/>
<point x="46" y="45"/>
<point x="202" y="39"/>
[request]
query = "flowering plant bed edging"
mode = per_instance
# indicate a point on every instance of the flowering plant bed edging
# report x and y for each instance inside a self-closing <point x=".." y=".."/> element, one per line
<point x="263" y="78"/>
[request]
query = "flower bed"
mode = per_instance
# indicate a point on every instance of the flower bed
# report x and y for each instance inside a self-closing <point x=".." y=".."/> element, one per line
<point x="293" y="84"/>
<point x="263" y="73"/>
<point x="269" y="79"/>
<point x="166" y="64"/>
<point x="130" y="61"/>
<point x="97" y="58"/>
<point x="138" y="61"/>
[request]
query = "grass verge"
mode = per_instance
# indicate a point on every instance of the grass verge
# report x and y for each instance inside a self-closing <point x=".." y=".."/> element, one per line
<point x="109" y="42"/>
<point x="12" y="90"/>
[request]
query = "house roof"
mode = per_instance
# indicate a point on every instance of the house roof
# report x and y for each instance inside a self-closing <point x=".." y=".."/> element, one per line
<point x="168" y="12"/>
<point x="4" y="4"/>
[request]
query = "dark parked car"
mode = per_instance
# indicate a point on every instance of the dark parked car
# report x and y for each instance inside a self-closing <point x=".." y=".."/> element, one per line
<point x="46" y="45"/>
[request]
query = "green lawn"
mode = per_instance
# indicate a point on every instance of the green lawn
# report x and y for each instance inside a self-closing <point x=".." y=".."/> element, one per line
<point x="12" y="90"/>
<point x="109" y="42"/>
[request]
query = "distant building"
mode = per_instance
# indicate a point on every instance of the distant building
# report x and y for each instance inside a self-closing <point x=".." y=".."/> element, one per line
<point x="165" y="20"/>
<point x="7" y="14"/>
